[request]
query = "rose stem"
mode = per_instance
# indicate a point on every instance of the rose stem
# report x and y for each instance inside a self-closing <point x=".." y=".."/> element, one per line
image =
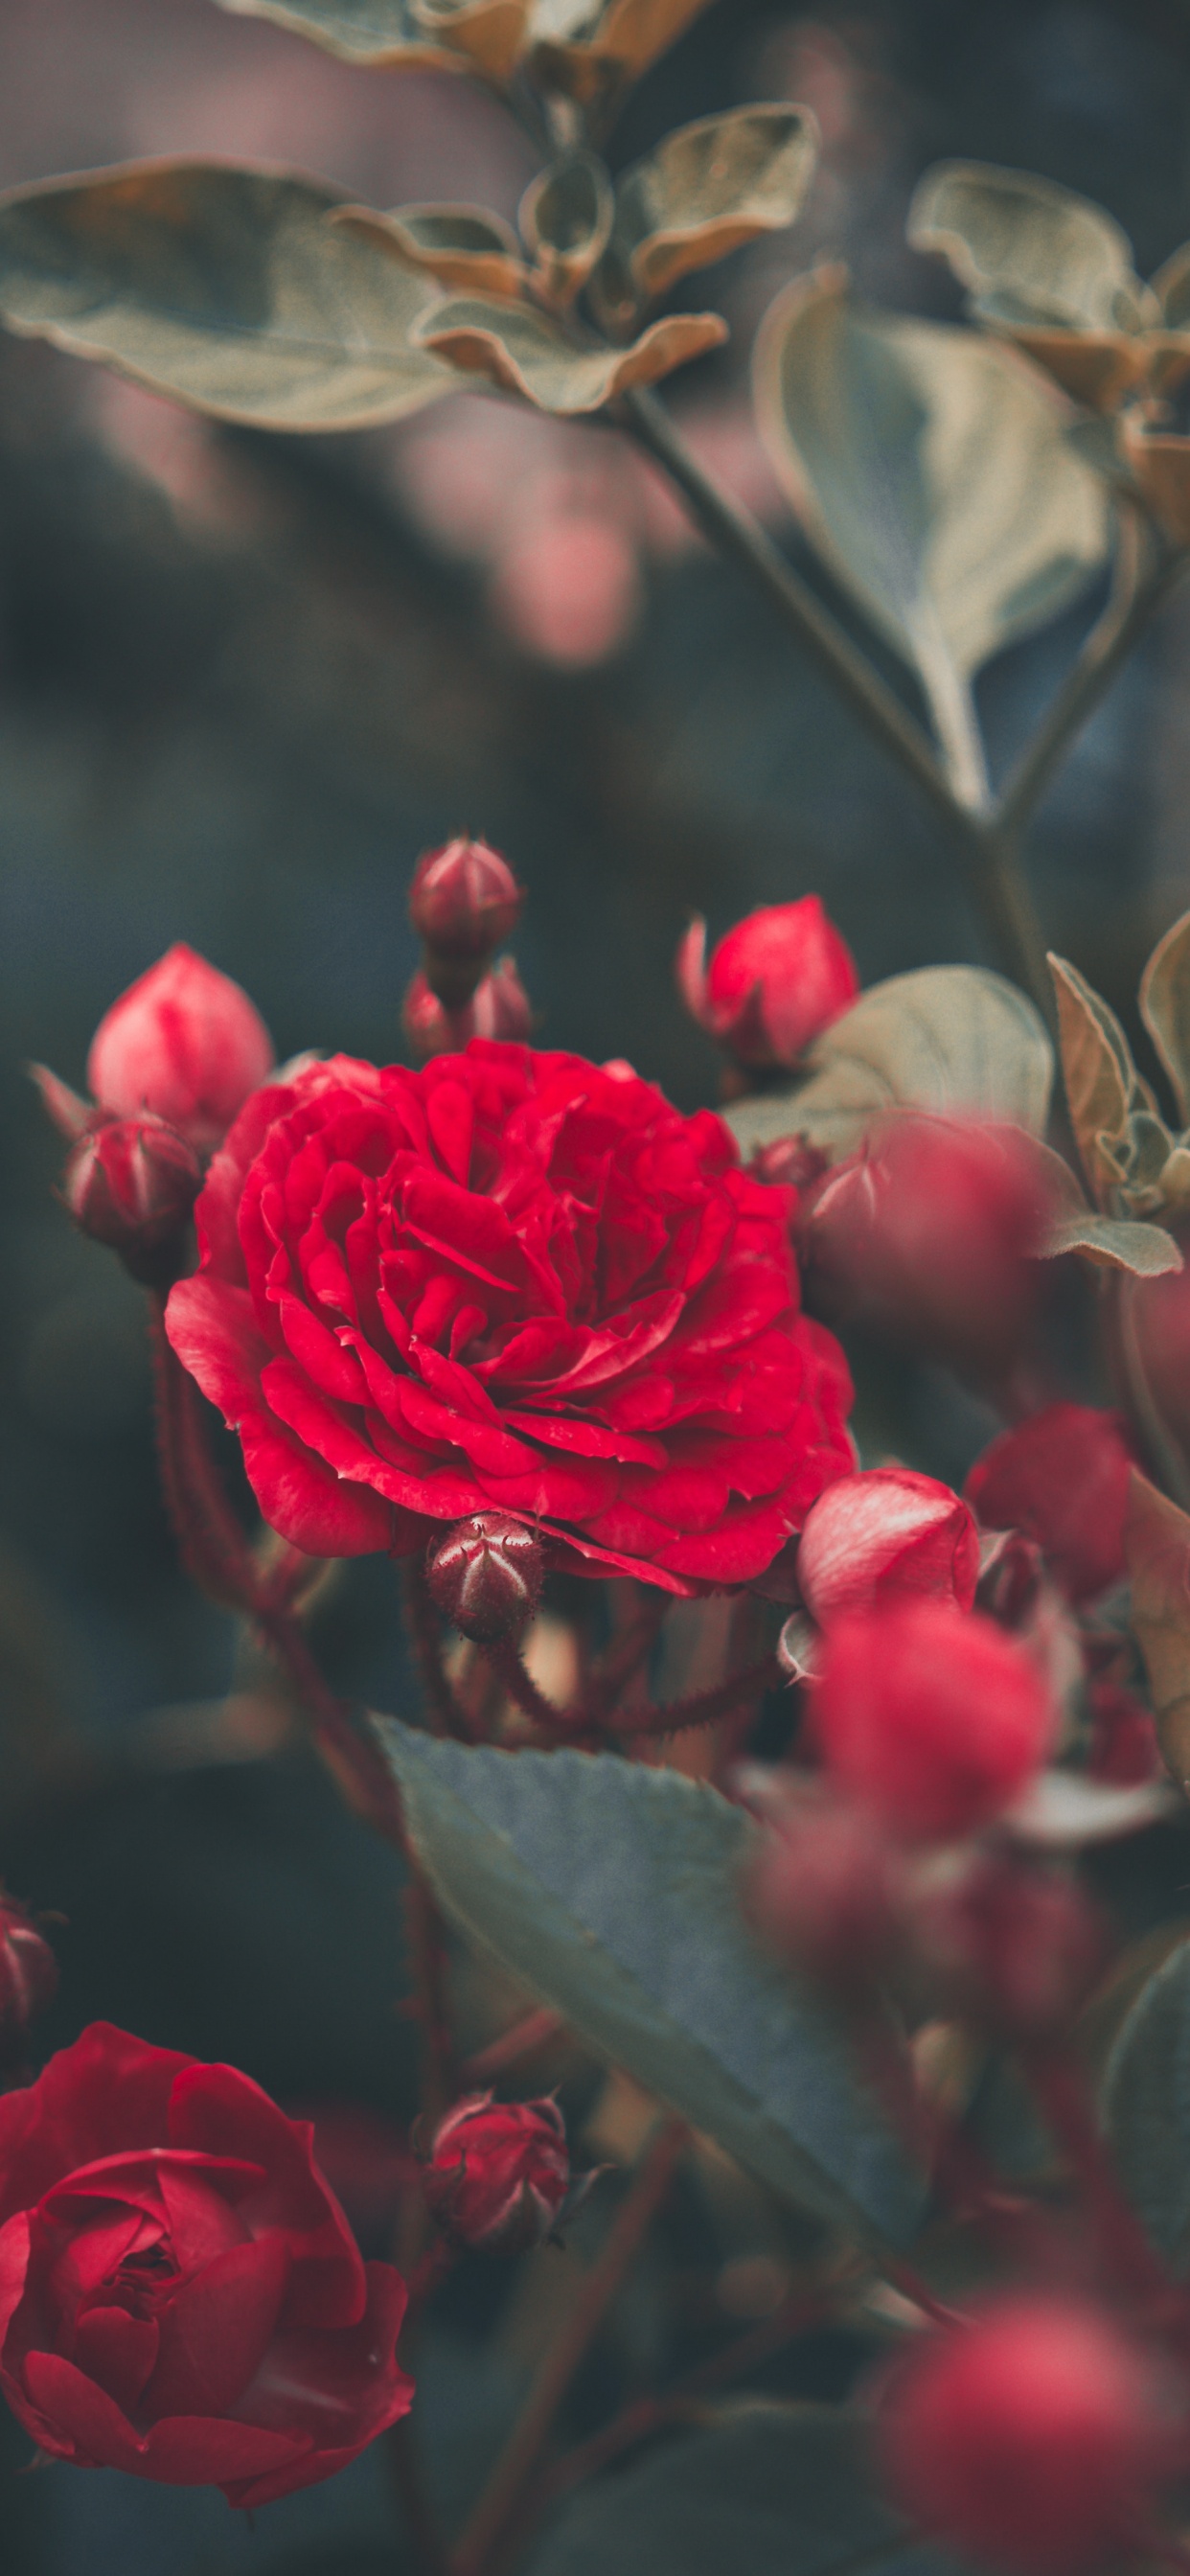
<point x="498" y="2504"/>
<point x="623" y="1660"/>
<point x="428" y="2547"/>
<point x="427" y="1958"/>
<point x="699" y="1710"/>
<point x="1057" y="2081"/>
<point x="524" y="2037"/>
<point x="425" y="1633"/>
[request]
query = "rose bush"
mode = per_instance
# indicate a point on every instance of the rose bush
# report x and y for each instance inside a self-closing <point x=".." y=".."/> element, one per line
<point x="513" y="1281"/>
<point x="180" y="2294"/>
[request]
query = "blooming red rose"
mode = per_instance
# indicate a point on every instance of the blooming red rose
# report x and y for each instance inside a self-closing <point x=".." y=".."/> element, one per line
<point x="782" y="975"/>
<point x="516" y="1282"/>
<point x="883" y="1535"/>
<point x="1061" y="1477"/>
<point x="936" y="1720"/>
<point x="498" y="2173"/>
<point x="180" y="2294"/>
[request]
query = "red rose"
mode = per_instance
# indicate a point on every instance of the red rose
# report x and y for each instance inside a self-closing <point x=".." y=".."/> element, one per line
<point x="1061" y="1477"/>
<point x="180" y="2294"/>
<point x="510" y="1282"/>
<point x="779" y="978"/>
<point x="884" y="1535"/>
<point x="498" y="2173"/>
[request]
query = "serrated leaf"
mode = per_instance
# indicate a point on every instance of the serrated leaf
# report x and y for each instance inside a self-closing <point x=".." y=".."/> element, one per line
<point x="1102" y="1083"/>
<point x="777" y="2490"/>
<point x="525" y="352"/>
<point x="400" y="35"/>
<point x="463" y="247"/>
<point x="566" y="217"/>
<point x="1115" y="1243"/>
<point x="1165" y="1008"/>
<point x="705" y="191"/>
<point x="932" y="470"/>
<point x="233" y="290"/>
<point x="1029" y="247"/>
<point x="612" y="1891"/>
<point x="1157" y="1548"/>
<point x="590" y="52"/>
<point x="957" y="1040"/>
<point x="1146" y="2107"/>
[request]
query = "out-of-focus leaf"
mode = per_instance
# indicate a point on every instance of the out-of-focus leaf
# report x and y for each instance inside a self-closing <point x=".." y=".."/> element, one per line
<point x="611" y="1891"/>
<point x="1165" y="1007"/>
<point x="1064" y="1811"/>
<point x="1159" y="464"/>
<point x="1115" y="1243"/>
<point x="525" y="352"/>
<point x="704" y="191"/>
<point x="401" y="35"/>
<point x="957" y="1040"/>
<point x="1146" y="2105"/>
<point x="1157" y="1547"/>
<point x="1029" y="248"/>
<point x="1102" y="1083"/>
<point x="566" y="217"/>
<point x="776" y="2490"/>
<point x="1171" y="286"/>
<point x="591" y="51"/>
<point x="933" y="472"/>
<point x="463" y="247"/>
<point x="491" y="34"/>
<point x="231" y="289"/>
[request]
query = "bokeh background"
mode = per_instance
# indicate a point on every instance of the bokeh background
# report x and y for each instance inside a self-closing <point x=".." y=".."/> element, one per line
<point x="243" y="683"/>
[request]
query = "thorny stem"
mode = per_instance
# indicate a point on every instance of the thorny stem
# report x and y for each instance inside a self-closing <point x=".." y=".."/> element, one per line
<point x="425" y="1632"/>
<point x="1058" y="2085"/>
<point x="477" y="2553"/>
<point x="532" y="2032"/>
<point x="701" y="1709"/>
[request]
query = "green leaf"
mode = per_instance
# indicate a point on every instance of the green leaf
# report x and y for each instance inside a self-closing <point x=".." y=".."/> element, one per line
<point x="404" y="35"/>
<point x="776" y="2490"/>
<point x="1146" y="2107"/>
<point x="1028" y="248"/>
<point x="233" y="290"/>
<point x="525" y="352"/>
<point x="566" y="216"/>
<point x="463" y="247"/>
<point x="933" y="472"/>
<point x="592" y="52"/>
<point x="611" y="1891"/>
<point x="1165" y="1008"/>
<point x="704" y="191"/>
<point x="1157" y="1548"/>
<point x="1102" y="1083"/>
<point x="1114" y="1243"/>
<point x="957" y="1040"/>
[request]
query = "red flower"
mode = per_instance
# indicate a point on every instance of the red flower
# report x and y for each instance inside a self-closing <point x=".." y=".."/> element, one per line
<point x="1062" y="1478"/>
<point x="936" y="1721"/>
<point x="185" y="1042"/>
<point x="131" y="1183"/>
<point x="511" y="1282"/>
<point x="180" y="2294"/>
<point x="773" y="983"/>
<point x="884" y="1535"/>
<point x="498" y="2173"/>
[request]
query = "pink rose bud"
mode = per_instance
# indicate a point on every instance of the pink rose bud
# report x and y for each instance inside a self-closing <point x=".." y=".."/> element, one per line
<point x="131" y="1183"/>
<point x="183" y="1042"/>
<point x="1010" y="1947"/>
<point x="827" y="1890"/>
<point x="1034" y="2436"/>
<point x="498" y="1008"/>
<point x="498" y="2173"/>
<point x="485" y="1575"/>
<point x="878" y="1536"/>
<point x="935" y="1721"/>
<point x="776" y="980"/>
<point x="28" y="1978"/>
<point x="463" y="902"/>
<point x="930" y="1233"/>
<point x="1062" y="1479"/>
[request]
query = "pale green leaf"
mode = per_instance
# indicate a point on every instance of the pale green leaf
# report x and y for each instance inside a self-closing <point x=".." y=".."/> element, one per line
<point x="705" y="191"/>
<point x="1146" y="2104"/>
<point x="404" y="35"/>
<point x="233" y="290"/>
<point x="611" y="1891"/>
<point x="566" y="217"/>
<point x="463" y="247"/>
<point x="1115" y="1243"/>
<point x="956" y="1040"/>
<point x="1165" y="1008"/>
<point x="1029" y="249"/>
<point x="1102" y="1083"/>
<point x="526" y="352"/>
<point x="591" y="51"/>
<point x="1171" y="286"/>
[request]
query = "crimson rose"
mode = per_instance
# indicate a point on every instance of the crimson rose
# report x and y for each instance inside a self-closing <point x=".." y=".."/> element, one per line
<point x="519" y="1282"/>
<point x="180" y="2294"/>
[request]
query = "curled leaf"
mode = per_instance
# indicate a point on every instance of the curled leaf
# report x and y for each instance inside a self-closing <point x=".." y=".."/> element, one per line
<point x="1115" y="1243"/>
<point x="704" y="191"/>
<point x="1102" y="1083"/>
<point x="566" y="217"/>
<point x="389" y="34"/>
<point x="489" y="34"/>
<point x="525" y="352"/>
<point x="1165" y="1007"/>
<point x="1157" y="1547"/>
<point x="1027" y="247"/>
<point x="590" y="52"/>
<point x="463" y="247"/>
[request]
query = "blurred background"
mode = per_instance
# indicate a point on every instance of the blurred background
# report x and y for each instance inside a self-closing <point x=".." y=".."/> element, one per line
<point x="243" y="683"/>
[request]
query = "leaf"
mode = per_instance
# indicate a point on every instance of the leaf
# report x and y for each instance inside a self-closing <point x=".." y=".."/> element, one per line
<point x="591" y="52"/>
<point x="524" y="352"/>
<point x="464" y="247"/>
<point x="1065" y="1811"/>
<point x="490" y="33"/>
<point x="1029" y="248"/>
<point x="611" y="1891"/>
<point x="934" y="475"/>
<point x="1165" y="1008"/>
<point x="1102" y="1083"/>
<point x="1114" y="1243"/>
<point x="1157" y="1547"/>
<point x="777" y="2490"/>
<point x="1159" y="464"/>
<point x="705" y="191"/>
<point x="233" y="290"/>
<point x="957" y="1040"/>
<point x="404" y="35"/>
<point x="1146" y="2107"/>
<point x="566" y="217"/>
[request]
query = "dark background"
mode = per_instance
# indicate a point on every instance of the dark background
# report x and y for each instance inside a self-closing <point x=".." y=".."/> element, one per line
<point x="242" y="684"/>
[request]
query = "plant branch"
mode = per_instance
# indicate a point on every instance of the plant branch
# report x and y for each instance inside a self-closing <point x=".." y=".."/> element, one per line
<point x="426" y="2544"/>
<point x="533" y="2031"/>
<point x="425" y="1633"/>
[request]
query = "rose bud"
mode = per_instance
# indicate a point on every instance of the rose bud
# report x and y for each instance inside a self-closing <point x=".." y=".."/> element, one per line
<point x="131" y="1183"/>
<point x="498" y="2174"/>
<point x="1010" y="1947"/>
<point x="463" y="902"/>
<point x="1034" y="2436"/>
<point x="776" y="980"/>
<point x="929" y="1234"/>
<point x="1061" y="1478"/>
<point x="1124" y="1750"/>
<point x="879" y="1535"/>
<point x="28" y="1977"/>
<point x="183" y="1042"/>
<point x="934" y="1720"/>
<point x="827" y="1890"/>
<point x="499" y="1007"/>
<point x="485" y="1575"/>
<point x="1012" y="1581"/>
<point x="792" y="1163"/>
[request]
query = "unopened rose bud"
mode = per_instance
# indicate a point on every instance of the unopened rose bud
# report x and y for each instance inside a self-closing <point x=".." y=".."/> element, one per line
<point x="131" y="1183"/>
<point x="497" y="2177"/>
<point x="1034" y="2436"/>
<point x="827" y="1891"/>
<point x="1009" y="1946"/>
<point x="792" y="1163"/>
<point x="1062" y="1479"/>
<point x="485" y="1575"/>
<point x="776" y="980"/>
<point x="185" y="1043"/>
<point x="935" y="1720"/>
<point x="464" y="901"/>
<point x="28" y="1978"/>
<point x="498" y="1008"/>
<point x="883" y="1536"/>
